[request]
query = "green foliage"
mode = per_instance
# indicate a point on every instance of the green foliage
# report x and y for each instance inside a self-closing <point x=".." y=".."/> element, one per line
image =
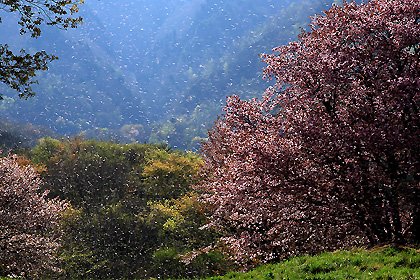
<point x="132" y="212"/>
<point x="103" y="236"/>
<point x="46" y="149"/>
<point x="110" y="243"/>
<point x="167" y="264"/>
<point x="91" y="173"/>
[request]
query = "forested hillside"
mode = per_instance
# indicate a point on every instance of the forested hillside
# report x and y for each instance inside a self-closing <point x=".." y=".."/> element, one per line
<point x="147" y="72"/>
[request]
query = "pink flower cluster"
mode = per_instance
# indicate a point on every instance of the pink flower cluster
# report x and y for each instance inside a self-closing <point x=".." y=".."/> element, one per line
<point x="29" y="229"/>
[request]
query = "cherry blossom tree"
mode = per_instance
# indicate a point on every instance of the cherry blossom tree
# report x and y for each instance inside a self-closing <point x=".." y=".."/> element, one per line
<point x="330" y="156"/>
<point x="29" y="229"/>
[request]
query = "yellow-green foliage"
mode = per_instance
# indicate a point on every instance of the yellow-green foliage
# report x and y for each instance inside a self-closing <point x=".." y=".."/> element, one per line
<point x="176" y="216"/>
<point x="46" y="149"/>
<point x="178" y="223"/>
<point x="170" y="174"/>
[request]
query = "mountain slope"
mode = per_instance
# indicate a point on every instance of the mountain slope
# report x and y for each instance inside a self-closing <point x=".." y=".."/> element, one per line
<point x="150" y="66"/>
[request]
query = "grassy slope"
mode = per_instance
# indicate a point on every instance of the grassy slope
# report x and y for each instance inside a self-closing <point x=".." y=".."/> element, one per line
<point x="387" y="262"/>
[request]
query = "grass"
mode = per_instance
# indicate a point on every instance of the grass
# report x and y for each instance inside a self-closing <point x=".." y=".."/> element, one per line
<point x="389" y="262"/>
<point x="386" y="263"/>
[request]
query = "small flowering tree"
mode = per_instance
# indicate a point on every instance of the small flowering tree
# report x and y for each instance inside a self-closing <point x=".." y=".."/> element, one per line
<point x="29" y="231"/>
<point x="331" y="154"/>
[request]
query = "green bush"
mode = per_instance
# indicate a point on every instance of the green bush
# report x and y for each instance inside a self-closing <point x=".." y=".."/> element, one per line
<point x="132" y="211"/>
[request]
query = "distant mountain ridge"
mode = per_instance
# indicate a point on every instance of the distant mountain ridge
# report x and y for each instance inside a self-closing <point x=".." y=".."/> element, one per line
<point x="139" y="63"/>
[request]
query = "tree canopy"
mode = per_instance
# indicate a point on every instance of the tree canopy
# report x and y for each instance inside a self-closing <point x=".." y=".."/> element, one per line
<point x="330" y="155"/>
<point x="17" y="70"/>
